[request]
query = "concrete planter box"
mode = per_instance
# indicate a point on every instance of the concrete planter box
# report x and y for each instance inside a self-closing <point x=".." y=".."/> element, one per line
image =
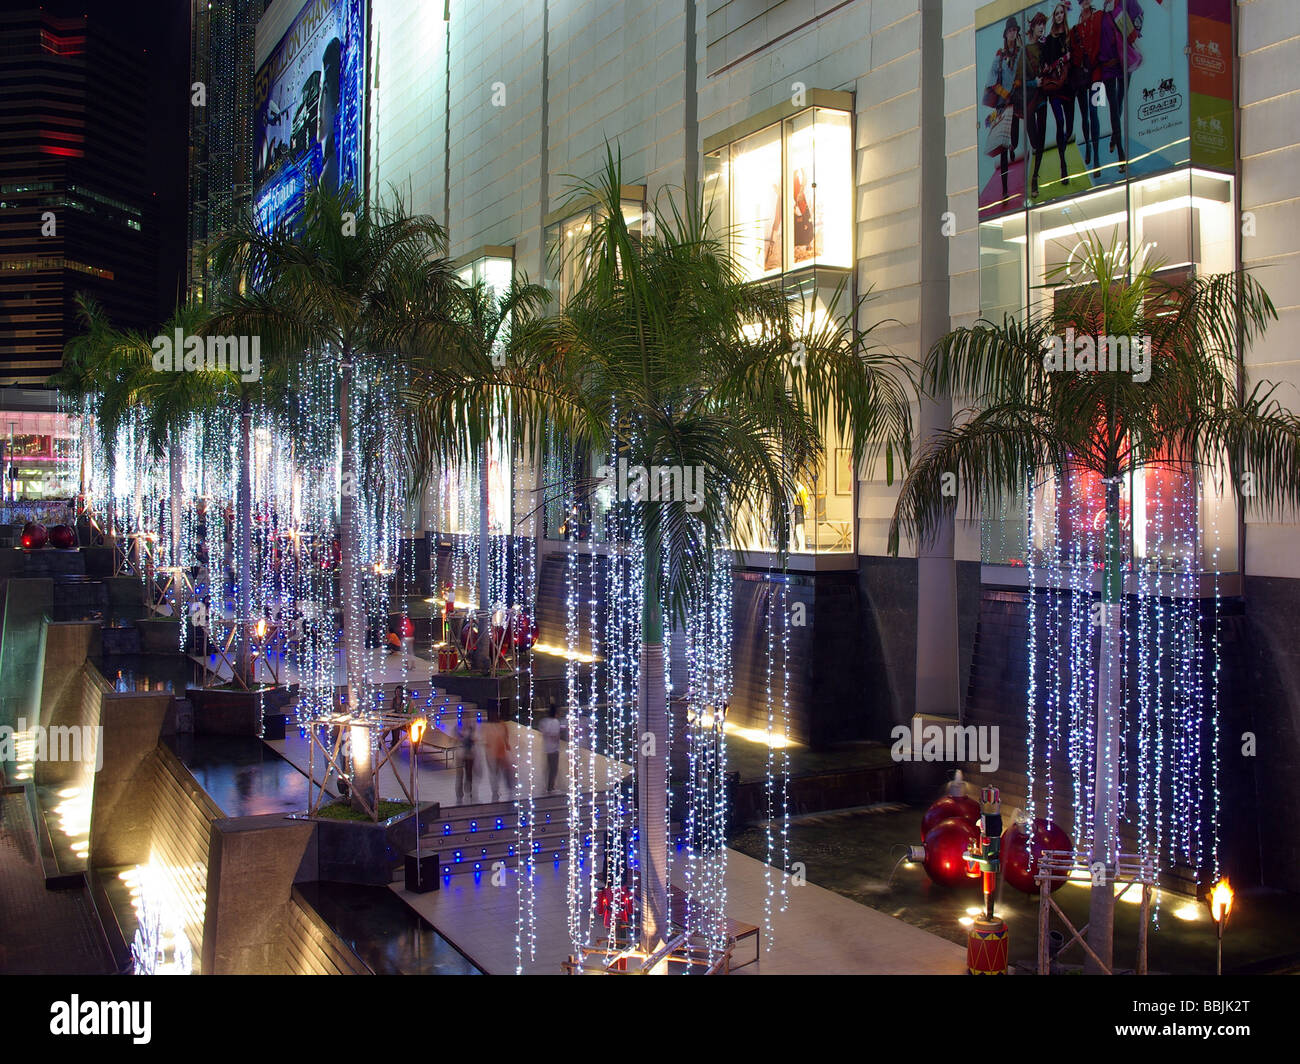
<point x="159" y="635"/>
<point x="218" y="711"/>
<point x="358" y="851"/>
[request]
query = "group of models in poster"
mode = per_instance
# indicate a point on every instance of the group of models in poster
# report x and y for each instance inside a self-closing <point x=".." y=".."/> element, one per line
<point x="1063" y="66"/>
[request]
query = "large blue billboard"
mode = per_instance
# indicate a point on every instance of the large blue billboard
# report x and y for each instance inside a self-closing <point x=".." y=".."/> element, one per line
<point x="309" y="97"/>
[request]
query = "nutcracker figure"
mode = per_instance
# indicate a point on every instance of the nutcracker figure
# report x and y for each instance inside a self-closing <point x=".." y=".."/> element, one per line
<point x="986" y="946"/>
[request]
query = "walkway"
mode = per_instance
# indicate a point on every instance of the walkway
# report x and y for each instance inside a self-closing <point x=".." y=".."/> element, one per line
<point x="820" y="933"/>
<point x="437" y="779"/>
<point x="42" y="932"/>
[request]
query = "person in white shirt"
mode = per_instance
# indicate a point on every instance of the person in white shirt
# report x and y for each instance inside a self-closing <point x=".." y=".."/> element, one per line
<point x="551" y="745"/>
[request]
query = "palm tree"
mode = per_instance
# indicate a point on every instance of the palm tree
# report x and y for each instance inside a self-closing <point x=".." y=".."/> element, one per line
<point x="458" y="409"/>
<point x="667" y="349"/>
<point x="167" y="401"/>
<point x="109" y="373"/>
<point x="87" y="361"/>
<point x="341" y="289"/>
<point x="1026" y="415"/>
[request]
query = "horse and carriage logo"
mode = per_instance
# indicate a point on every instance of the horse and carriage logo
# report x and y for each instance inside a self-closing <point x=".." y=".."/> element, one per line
<point x="1207" y="57"/>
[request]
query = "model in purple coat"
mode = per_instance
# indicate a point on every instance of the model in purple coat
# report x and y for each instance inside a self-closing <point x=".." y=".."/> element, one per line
<point x="1117" y="58"/>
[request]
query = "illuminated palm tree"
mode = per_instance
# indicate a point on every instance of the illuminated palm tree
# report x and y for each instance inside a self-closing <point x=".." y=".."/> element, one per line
<point x="458" y="411"/>
<point x="1026" y="415"/>
<point x="667" y="356"/>
<point x="341" y="289"/>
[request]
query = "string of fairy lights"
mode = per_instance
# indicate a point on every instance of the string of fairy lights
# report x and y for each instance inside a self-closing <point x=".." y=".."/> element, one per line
<point x="1169" y="662"/>
<point x="298" y="479"/>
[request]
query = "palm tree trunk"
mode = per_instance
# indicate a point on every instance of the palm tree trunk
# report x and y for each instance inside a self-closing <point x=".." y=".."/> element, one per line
<point x="652" y="763"/>
<point x="84" y="464"/>
<point x="175" y="466"/>
<point x="244" y="531"/>
<point x="483" y="651"/>
<point x="363" y="780"/>
<point x="1110" y="710"/>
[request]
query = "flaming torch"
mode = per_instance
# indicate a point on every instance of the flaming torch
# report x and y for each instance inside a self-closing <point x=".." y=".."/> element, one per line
<point x="1220" y="899"/>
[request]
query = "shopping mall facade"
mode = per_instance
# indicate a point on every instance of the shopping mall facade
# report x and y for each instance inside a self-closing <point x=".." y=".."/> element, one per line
<point x="860" y="145"/>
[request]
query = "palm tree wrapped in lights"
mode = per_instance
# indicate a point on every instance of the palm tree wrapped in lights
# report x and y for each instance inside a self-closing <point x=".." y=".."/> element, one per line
<point x="458" y="408"/>
<point x="668" y="350"/>
<point x="344" y="289"/>
<point x="1192" y="414"/>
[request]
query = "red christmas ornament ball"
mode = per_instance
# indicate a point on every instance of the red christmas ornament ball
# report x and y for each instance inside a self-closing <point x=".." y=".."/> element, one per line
<point x="35" y="536"/>
<point x="1020" y="850"/>
<point x="525" y="632"/>
<point x="62" y="537"/>
<point x="950" y="807"/>
<point x="468" y="638"/>
<point x="945" y="846"/>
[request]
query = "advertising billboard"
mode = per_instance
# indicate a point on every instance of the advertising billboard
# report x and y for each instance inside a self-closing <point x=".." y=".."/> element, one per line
<point x="309" y="99"/>
<point x="1080" y="95"/>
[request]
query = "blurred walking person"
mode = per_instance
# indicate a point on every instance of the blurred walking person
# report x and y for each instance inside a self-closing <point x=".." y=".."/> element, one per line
<point x="496" y="741"/>
<point x="551" y="745"/>
<point x="465" y="750"/>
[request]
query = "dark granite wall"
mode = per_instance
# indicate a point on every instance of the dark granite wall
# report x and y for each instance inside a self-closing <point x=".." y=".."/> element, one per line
<point x="1259" y="678"/>
<point x="888" y="640"/>
<point x="1271" y="673"/>
<point x="852" y="661"/>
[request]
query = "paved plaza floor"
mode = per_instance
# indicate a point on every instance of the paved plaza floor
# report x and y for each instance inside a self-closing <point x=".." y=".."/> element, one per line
<point x="42" y="932"/>
<point x="819" y="933"/>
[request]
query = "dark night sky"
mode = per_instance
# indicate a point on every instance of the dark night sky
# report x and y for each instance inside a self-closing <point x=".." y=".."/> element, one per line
<point x="161" y="27"/>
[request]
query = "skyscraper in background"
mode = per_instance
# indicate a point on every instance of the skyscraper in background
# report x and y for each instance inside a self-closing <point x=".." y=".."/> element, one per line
<point x="221" y="131"/>
<point x="91" y="198"/>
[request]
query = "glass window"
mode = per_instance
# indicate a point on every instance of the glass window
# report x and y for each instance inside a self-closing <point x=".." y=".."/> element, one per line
<point x="452" y="498"/>
<point x="823" y="520"/>
<point x="819" y="195"/>
<point x="574" y="507"/>
<point x="756" y="203"/>
<point x="1182" y="222"/>
<point x="784" y="195"/>
<point x="567" y="244"/>
<point x="717" y="192"/>
<point x="782" y="201"/>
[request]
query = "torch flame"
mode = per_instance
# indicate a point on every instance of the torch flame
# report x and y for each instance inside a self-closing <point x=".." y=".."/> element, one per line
<point x="261" y="629"/>
<point x="1221" y="900"/>
<point x="417" y="730"/>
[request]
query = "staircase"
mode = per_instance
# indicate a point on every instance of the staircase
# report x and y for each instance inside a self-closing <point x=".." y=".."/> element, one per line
<point x="473" y="839"/>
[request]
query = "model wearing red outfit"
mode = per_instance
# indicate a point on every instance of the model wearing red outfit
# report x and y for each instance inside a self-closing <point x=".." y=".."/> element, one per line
<point x="1085" y="37"/>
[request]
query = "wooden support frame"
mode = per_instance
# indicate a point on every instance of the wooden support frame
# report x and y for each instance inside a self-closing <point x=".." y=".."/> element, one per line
<point x="1130" y="870"/>
<point x="262" y="646"/>
<point x="331" y="732"/>
<point x="177" y="584"/>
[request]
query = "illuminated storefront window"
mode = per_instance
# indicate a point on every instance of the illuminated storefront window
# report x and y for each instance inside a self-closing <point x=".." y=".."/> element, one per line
<point x="580" y="514"/>
<point x="39" y="456"/>
<point x="1108" y="123"/>
<point x="779" y="193"/>
<point x="1183" y="224"/>
<point x="452" y="497"/>
<point x="568" y="232"/>
<point x="783" y="196"/>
